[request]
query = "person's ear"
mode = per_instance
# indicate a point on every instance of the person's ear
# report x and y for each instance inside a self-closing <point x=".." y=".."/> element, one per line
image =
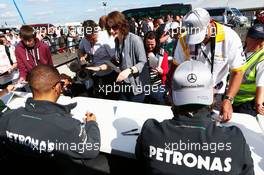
<point x="58" y="88"/>
<point x="209" y="31"/>
<point x="261" y="42"/>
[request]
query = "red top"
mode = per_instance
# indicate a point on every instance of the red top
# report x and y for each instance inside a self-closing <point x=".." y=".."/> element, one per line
<point x="27" y="58"/>
<point x="165" y="67"/>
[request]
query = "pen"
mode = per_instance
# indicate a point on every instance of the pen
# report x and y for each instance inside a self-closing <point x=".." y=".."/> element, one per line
<point x="132" y="130"/>
<point x="135" y="134"/>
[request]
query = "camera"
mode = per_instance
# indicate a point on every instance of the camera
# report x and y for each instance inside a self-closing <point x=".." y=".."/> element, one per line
<point x="89" y="58"/>
<point x="84" y="74"/>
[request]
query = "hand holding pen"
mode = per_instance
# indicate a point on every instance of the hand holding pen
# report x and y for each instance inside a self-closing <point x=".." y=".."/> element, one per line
<point x="131" y="132"/>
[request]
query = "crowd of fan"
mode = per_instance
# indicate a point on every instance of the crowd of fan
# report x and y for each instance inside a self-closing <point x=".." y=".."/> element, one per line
<point x="114" y="63"/>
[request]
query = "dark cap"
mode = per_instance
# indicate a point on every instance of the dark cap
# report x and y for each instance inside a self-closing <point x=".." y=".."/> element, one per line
<point x="256" y="31"/>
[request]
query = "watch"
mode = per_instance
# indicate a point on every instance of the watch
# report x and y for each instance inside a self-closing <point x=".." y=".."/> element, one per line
<point x="231" y="99"/>
<point x="131" y="70"/>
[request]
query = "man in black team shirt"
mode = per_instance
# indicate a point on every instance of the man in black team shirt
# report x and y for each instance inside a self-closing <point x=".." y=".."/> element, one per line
<point x="190" y="142"/>
<point x="46" y="130"/>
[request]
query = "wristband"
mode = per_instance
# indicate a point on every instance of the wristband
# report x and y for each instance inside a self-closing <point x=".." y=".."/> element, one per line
<point x="131" y="70"/>
<point x="231" y="99"/>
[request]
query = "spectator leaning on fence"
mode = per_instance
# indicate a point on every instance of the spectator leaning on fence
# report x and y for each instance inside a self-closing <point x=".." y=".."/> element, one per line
<point x="30" y="52"/>
<point x="217" y="46"/>
<point x="45" y="129"/>
<point x="250" y="97"/>
<point x="191" y="143"/>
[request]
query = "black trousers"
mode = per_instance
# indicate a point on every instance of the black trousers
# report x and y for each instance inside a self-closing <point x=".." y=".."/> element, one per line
<point x="247" y="108"/>
<point x="101" y="165"/>
<point x="100" y="86"/>
<point x="3" y="86"/>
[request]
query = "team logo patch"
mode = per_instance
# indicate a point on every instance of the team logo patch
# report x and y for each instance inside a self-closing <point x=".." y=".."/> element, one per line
<point x="192" y="78"/>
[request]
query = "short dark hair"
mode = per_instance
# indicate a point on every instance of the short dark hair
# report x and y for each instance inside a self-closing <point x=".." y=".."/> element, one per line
<point x="43" y="78"/>
<point x="116" y="18"/>
<point x="27" y="32"/>
<point x="90" y="27"/>
<point x="102" y="22"/>
<point x="152" y="35"/>
<point x="1" y="37"/>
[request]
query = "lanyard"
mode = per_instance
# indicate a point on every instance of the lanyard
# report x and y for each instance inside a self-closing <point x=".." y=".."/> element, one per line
<point x="211" y="60"/>
<point x="120" y="51"/>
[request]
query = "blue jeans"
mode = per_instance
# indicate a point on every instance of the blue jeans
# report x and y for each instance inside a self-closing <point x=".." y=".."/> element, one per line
<point x="157" y="97"/>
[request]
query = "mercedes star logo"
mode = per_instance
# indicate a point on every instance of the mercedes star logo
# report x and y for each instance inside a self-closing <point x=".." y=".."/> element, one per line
<point x="192" y="78"/>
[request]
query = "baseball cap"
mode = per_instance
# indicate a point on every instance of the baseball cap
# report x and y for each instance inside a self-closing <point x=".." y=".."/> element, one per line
<point x="192" y="84"/>
<point x="196" y="22"/>
<point x="256" y="31"/>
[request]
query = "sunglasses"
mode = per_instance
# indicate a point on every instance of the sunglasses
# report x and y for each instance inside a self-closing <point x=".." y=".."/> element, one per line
<point x="114" y="27"/>
<point x="61" y="83"/>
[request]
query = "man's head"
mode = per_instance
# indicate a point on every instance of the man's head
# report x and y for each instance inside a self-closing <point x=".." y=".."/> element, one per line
<point x="3" y="40"/>
<point x="192" y="84"/>
<point x="160" y="20"/>
<point x="44" y="81"/>
<point x="255" y="38"/>
<point x="260" y="16"/>
<point x="91" y="30"/>
<point x="102" y="22"/>
<point x="27" y="35"/>
<point x="151" y="42"/>
<point x="117" y="24"/>
<point x="197" y="23"/>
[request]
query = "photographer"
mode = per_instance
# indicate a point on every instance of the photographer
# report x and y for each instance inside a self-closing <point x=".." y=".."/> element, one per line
<point x="72" y="88"/>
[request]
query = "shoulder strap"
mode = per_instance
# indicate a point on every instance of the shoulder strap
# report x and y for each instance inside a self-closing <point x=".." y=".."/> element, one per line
<point x="220" y="33"/>
<point x="8" y="55"/>
<point x="197" y="48"/>
<point x="253" y="59"/>
<point x="185" y="47"/>
<point x="212" y="53"/>
<point x="261" y="56"/>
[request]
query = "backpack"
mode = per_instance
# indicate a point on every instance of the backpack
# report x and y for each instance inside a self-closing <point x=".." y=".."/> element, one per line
<point x="9" y="55"/>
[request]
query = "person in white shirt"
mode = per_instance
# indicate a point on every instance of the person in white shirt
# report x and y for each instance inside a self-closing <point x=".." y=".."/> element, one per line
<point x="150" y="24"/>
<point x="217" y="46"/>
<point x="8" y="63"/>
